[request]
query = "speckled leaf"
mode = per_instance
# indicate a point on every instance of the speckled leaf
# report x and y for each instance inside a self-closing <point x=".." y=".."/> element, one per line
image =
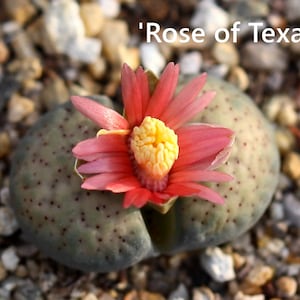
<point x="87" y="230"/>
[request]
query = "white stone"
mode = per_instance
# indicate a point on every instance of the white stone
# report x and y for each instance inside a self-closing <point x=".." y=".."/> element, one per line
<point x="151" y="57"/>
<point x="218" y="264"/>
<point x="180" y="293"/>
<point x="9" y="259"/>
<point x="210" y="17"/>
<point x="190" y="63"/>
<point x="67" y="33"/>
<point x="8" y="222"/>
<point x="110" y="8"/>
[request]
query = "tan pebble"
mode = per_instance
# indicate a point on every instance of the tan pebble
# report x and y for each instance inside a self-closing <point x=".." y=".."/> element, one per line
<point x="203" y="293"/>
<point x="260" y="275"/>
<point x="241" y="296"/>
<point x="131" y="56"/>
<point x="21" y="271"/>
<point x="87" y="82"/>
<point x="291" y="165"/>
<point x="287" y="286"/>
<point x="5" y="144"/>
<point x="143" y="295"/>
<point x="238" y="260"/>
<point x="3" y="272"/>
<point x="114" y="34"/>
<point x="92" y="17"/>
<point x="33" y="268"/>
<point x="26" y="69"/>
<point x="287" y="115"/>
<point x="19" y="107"/>
<point x="54" y="92"/>
<point x="239" y="77"/>
<point x="226" y="53"/>
<point x="285" y="140"/>
<point x="90" y="296"/>
<point x="98" y="68"/>
<point x="20" y="10"/>
<point x="4" y="52"/>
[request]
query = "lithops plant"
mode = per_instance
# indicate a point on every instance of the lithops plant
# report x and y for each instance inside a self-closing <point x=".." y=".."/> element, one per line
<point x="91" y="230"/>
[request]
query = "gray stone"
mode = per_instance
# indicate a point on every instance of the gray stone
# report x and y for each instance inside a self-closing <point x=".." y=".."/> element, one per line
<point x="26" y="291"/>
<point x="8" y="222"/>
<point x="152" y="58"/>
<point x="210" y="17"/>
<point x="67" y="34"/>
<point x="110" y="8"/>
<point x="190" y="63"/>
<point x="264" y="57"/>
<point x="244" y="9"/>
<point x="217" y="264"/>
<point x="9" y="259"/>
<point x="292" y="209"/>
<point x="293" y="10"/>
<point x="180" y="293"/>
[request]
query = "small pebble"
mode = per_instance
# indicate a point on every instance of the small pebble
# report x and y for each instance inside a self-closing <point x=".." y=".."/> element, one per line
<point x="19" y="108"/>
<point x="190" y="63"/>
<point x="157" y="61"/>
<point x="54" y="92"/>
<point x="5" y="144"/>
<point x="207" y="11"/>
<point x="291" y="165"/>
<point x="113" y="42"/>
<point x="20" y="10"/>
<point x="260" y="275"/>
<point x="90" y="296"/>
<point x="92" y="17"/>
<point x="21" y="271"/>
<point x="276" y="211"/>
<point x="134" y="295"/>
<point x="98" y="68"/>
<point x="287" y="286"/>
<point x="110" y="8"/>
<point x="244" y="9"/>
<point x="203" y="293"/>
<point x="8" y="222"/>
<point x="9" y="259"/>
<point x="292" y="10"/>
<point x="27" y="290"/>
<point x="239" y="77"/>
<point x="181" y="293"/>
<point x="241" y="296"/>
<point x="3" y="272"/>
<point x="285" y="140"/>
<point x="263" y="57"/>
<point x="218" y="264"/>
<point x="226" y="53"/>
<point x="292" y="209"/>
<point x="4" y="52"/>
<point x="287" y="115"/>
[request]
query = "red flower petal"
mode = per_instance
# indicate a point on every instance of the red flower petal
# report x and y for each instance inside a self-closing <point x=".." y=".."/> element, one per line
<point x="103" y="143"/>
<point x="142" y="82"/>
<point x="190" y="111"/>
<point x="185" y="97"/>
<point x="164" y="91"/>
<point x="103" y="116"/>
<point x="199" y="175"/>
<point x="137" y="197"/>
<point x="124" y="185"/>
<point x="100" y="181"/>
<point x="194" y="189"/>
<point x="132" y="96"/>
<point x="199" y="151"/>
<point x="107" y="163"/>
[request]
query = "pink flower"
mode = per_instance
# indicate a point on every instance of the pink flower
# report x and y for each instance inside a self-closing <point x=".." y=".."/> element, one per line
<point x="152" y="154"/>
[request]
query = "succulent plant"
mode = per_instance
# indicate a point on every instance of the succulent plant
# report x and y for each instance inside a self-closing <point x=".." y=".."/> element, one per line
<point x="91" y="231"/>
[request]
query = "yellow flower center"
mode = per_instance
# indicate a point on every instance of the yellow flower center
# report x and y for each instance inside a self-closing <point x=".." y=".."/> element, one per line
<point x="155" y="147"/>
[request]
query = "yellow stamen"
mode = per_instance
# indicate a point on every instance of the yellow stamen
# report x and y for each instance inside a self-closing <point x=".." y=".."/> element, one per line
<point x="155" y="147"/>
